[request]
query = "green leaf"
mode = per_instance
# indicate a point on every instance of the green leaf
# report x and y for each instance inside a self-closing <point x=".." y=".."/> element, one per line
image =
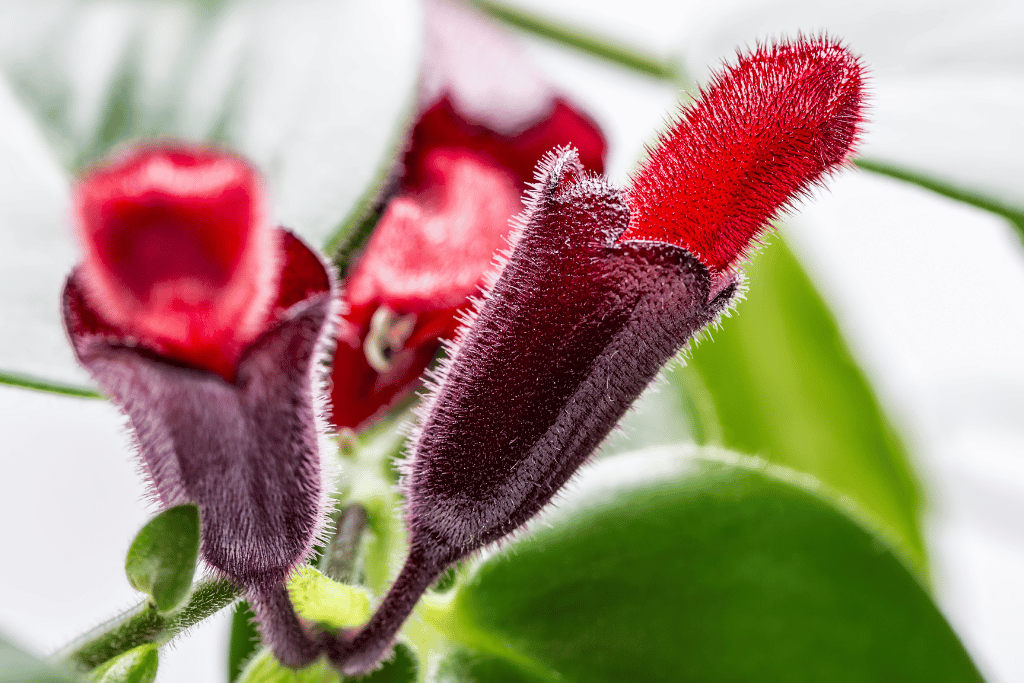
<point x="18" y="666"/>
<point x="318" y="97"/>
<point x="135" y="666"/>
<point x="264" y="668"/>
<point x="675" y="564"/>
<point x="399" y="668"/>
<point x="467" y="665"/>
<point x="162" y="558"/>
<point x="785" y="386"/>
<point x="319" y="598"/>
<point x="245" y="640"/>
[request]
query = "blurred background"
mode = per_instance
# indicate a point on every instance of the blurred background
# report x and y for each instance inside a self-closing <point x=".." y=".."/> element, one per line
<point x="926" y="289"/>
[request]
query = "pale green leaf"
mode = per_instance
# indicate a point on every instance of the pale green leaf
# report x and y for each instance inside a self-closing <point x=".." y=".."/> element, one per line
<point x="319" y="598"/>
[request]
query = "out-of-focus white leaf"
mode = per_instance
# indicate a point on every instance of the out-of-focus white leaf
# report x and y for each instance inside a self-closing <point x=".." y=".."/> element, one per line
<point x="317" y="93"/>
<point x="966" y="130"/>
<point x="36" y="250"/>
<point x="947" y="78"/>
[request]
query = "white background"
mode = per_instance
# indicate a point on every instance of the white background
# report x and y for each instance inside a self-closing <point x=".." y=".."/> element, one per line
<point x="929" y="293"/>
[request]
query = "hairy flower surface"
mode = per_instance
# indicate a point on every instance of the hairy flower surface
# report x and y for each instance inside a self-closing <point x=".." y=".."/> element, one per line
<point x="208" y="328"/>
<point x="764" y="132"/>
<point x="602" y="289"/>
<point x="469" y="158"/>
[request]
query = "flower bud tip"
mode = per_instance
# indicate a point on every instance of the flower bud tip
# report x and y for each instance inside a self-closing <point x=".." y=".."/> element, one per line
<point x="766" y="130"/>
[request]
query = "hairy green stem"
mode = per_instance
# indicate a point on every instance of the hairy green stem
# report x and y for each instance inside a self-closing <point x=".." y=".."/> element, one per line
<point x="145" y="624"/>
<point x="341" y="557"/>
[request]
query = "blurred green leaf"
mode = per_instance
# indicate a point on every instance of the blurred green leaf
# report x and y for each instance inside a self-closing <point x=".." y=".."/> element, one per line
<point x="138" y="665"/>
<point x="675" y="564"/>
<point x="785" y="386"/>
<point x="264" y="668"/>
<point x="318" y="99"/>
<point x="399" y="668"/>
<point x="18" y="666"/>
<point x="467" y="665"/>
<point x="162" y="559"/>
<point x="245" y="640"/>
<point x="321" y="599"/>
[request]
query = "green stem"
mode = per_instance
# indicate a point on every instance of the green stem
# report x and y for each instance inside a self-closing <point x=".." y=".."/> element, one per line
<point x="1013" y="214"/>
<point x="340" y="560"/>
<point x="25" y="382"/>
<point x="145" y="624"/>
<point x="560" y="33"/>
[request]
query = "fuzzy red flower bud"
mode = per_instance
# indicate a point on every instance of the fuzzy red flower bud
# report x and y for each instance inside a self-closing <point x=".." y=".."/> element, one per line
<point x="765" y="131"/>
<point x="208" y="328"/>
<point x="599" y="293"/>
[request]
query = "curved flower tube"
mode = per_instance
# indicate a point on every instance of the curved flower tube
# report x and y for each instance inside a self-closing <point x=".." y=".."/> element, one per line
<point x="602" y="289"/>
<point x="209" y="329"/>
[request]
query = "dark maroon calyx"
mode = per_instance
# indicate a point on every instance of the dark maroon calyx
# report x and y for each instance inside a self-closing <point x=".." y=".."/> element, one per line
<point x="245" y="452"/>
<point x="574" y="329"/>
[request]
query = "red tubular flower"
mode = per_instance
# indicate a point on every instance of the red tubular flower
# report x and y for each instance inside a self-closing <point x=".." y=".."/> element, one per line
<point x="469" y="160"/>
<point x="209" y="301"/>
<point x="208" y="327"/>
<point x="735" y="161"/>
<point x="601" y="290"/>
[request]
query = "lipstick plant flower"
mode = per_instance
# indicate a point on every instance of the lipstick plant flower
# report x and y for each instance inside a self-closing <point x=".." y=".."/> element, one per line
<point x="467" y="162"/>
<point x="604" y="286"/>
<point x="209" y="327"/>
